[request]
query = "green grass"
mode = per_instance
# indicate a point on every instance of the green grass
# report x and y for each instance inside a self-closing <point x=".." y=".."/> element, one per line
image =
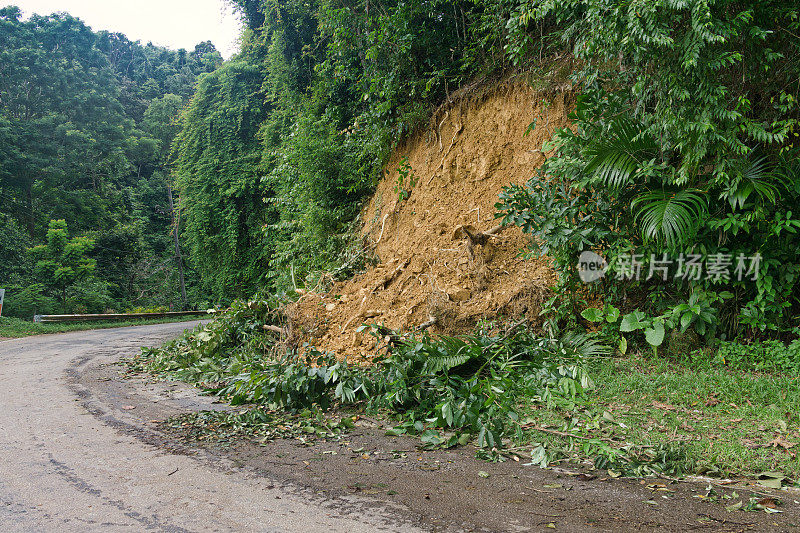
<point x="15" y="327"/>
<point x="728" y="422"/>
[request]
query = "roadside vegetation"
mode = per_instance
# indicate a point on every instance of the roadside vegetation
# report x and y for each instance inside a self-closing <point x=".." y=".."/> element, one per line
<point x="86" y="124"/>
<point x="15" y="327"/>
<point x="505" y="391"/>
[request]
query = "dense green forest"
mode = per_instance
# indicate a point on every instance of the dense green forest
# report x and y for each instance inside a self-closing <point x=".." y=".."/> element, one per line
<point x="86" y="124"/>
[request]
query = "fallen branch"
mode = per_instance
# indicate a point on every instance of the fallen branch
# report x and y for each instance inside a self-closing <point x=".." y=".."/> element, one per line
<point x="561" y="433"/>
<point x="274" y="329"/>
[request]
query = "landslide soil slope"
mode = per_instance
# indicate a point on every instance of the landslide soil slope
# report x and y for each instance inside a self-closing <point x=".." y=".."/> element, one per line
<point x="427" y="266"/>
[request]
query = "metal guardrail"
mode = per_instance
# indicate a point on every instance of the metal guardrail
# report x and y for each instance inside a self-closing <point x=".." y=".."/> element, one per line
<point x="115" y="316"/>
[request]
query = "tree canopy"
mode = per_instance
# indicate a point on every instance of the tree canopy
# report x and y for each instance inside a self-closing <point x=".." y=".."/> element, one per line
<point x="86" y="123"/>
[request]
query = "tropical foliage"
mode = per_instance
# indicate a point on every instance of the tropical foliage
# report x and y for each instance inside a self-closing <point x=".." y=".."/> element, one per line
<point x="280" y="146"/>
<point x="86" y="123"/>
<point x="683" y="144"/>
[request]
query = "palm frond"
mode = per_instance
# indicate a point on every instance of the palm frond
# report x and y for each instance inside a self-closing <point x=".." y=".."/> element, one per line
<point x="584" y="345"/>
<point x="758" y="176"/>
<point x="669" y="217"/>
<point x="615" y="160"/>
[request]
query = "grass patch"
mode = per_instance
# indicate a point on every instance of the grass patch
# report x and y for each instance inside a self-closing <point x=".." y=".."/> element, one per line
<point x="15" y="327"/>
<point x="714" y="420"/>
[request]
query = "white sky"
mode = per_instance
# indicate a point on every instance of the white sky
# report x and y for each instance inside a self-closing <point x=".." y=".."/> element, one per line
<point x="171" y="23"/>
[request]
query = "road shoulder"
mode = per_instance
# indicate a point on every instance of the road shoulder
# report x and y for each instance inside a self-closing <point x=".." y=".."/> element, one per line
<point x="440" y="490"/>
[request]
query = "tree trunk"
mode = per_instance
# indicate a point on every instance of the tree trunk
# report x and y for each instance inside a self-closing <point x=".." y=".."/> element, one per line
<point x="178" y="255"/>
<point x="31" y="222"/>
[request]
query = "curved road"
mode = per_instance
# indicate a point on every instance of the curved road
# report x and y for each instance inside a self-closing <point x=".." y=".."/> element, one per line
<point x="64" y="467"/>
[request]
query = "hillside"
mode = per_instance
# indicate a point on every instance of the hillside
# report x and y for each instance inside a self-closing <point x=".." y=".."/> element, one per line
<point x="355" y="165"/>
<point x="428" y="267"/>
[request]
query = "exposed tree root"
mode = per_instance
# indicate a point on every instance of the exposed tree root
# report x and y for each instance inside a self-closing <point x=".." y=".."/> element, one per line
<point x="383" y="225"/>
<point x="475" y="236"/>
<point x="388" y="279"/>
<point x="428" y="323"/>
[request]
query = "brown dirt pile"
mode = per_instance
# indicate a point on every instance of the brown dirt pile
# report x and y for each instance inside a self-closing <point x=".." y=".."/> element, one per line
<point x="428" y="264"/>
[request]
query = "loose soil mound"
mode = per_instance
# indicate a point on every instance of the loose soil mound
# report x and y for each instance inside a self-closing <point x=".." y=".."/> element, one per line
<point x="433" y="260"/>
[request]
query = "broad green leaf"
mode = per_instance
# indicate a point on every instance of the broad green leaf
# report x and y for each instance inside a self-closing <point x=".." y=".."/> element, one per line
<point x="623" y="346"/>
<point x="592" y="314"/>
<point x="655" y="334"/>
<point x="633" y="321"/>
<point x="735" y="507"/>
<point x="686" y="321"/>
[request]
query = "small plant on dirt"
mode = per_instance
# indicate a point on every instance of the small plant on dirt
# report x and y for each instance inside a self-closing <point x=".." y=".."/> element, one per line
<point x="405" y="174"/>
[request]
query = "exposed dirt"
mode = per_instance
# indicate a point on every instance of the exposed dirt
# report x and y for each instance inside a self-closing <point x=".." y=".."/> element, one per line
<point x="444" y="490"/>
<point x="429" y="267"/>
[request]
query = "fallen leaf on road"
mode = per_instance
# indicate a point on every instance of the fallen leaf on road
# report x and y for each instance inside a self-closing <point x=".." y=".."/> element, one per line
<point x="772" y="480"/>
<point x="128" y="407"/>
<point x="768" y="502"/>
<point x="735" y="507"/>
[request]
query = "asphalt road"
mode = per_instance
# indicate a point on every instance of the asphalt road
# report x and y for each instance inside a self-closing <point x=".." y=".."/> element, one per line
<point x="66" y="465"/>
